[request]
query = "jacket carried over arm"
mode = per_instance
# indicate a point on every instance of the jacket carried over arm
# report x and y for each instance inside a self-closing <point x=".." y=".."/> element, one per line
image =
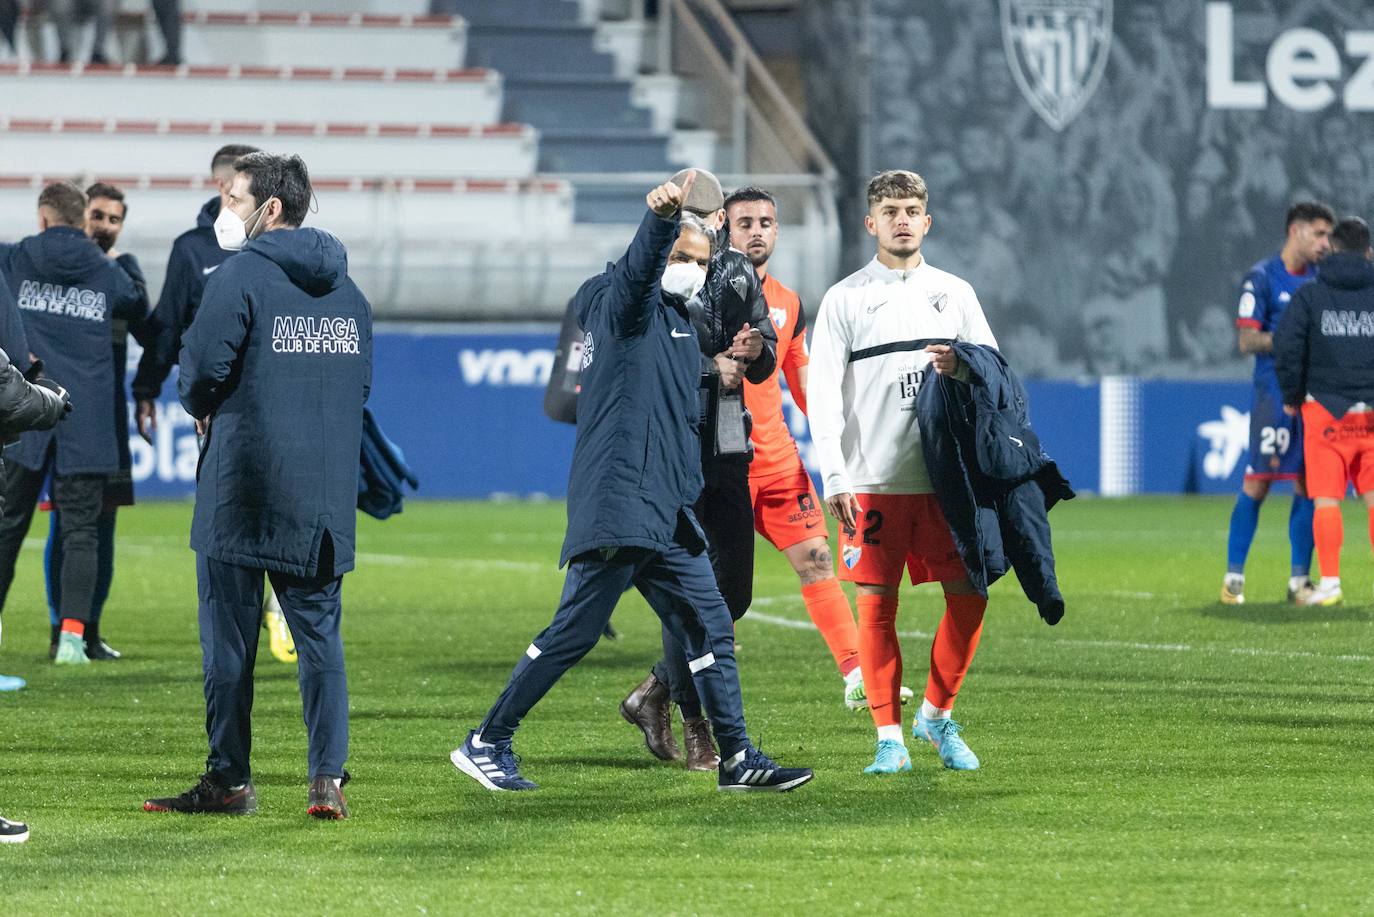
<point x="636" y="469"/>
<point x="994" y="482"/>
<point x="279" y="359"/>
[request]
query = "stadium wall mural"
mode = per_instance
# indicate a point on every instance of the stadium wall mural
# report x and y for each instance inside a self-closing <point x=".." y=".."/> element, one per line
<point x="1102" y="171"/>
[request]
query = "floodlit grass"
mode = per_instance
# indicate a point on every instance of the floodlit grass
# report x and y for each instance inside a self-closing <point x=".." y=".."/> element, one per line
<point x="1154" y="753"/>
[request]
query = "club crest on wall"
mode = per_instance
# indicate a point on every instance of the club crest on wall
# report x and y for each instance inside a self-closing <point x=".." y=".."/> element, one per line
<point x="1057" y="51"/>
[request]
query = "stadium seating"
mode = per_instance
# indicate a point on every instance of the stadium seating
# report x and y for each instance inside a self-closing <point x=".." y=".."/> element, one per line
<point x="320" y="39"/>
<point x="40" y="90"/>
<point x="183" y="147"/>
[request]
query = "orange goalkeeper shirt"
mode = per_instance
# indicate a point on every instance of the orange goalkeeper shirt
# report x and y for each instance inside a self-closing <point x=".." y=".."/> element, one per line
<point x="775" y="451"/>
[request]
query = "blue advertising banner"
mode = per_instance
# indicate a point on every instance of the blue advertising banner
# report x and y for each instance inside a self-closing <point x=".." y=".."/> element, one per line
<point x="465" y="403"/>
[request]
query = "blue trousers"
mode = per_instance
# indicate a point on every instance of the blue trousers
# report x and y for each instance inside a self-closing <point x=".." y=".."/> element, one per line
<point x="104" y="560"/>
<point x="681" y="589"/>
<point x="230" y="622"/>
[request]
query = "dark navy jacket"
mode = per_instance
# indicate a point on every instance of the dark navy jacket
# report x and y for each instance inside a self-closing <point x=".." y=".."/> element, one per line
<point x="636" y="468"/>
<point x="195" y="257"/>
<point x="69" y="293"/>
<point x="141" y="329"/>
<point x="994" y="483"/>
<point x="13" y="340"/>
<point x="280" y="357"/>
<point x="1324" y="344"/>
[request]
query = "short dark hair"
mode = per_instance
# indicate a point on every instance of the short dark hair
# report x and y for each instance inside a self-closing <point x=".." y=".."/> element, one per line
<point x="1350" y="235"/>
<point x="66" y="200"/>
<point x="226" y="155"/>
<point x="109" y="192"/>
<point x="749" y="193"/>
<point x="1309" y="212"/>
<point x="898" y="184"/>
<point x="283" y="177"/>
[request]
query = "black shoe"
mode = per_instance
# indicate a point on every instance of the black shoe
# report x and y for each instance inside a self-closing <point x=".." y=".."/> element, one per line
<point x="752" y="770"/>
<point x="209" y="795"/>
<point x="13" y="832"/>
<point x="326" y="798"/>
<point x="97" y="649"/>
<point x="52" y="642"/>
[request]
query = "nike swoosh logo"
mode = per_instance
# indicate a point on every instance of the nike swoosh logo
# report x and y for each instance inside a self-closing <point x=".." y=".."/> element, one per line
<point x="1017" y="441"/>
<point x="207" y="271"/>
<point x="812" y="525"/>
<point x="684" y="334"/>
<point x="872" y="309"/>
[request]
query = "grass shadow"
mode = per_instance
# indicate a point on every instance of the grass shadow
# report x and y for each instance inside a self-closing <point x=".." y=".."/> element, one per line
<point x="1283" y="613"/>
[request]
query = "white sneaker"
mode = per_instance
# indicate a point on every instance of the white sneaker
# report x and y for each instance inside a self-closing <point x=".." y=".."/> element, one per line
<point x="1233" y="589"/>
<point x="1324" y="596"/>
<point x="13" y="832"/>
<point x="856" y="698"/>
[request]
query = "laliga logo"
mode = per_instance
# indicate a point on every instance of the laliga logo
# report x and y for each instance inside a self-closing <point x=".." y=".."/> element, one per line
<point x="1226" y="438"/>
<point x="1299" y="68"/>
<point x="1057" y="52"/>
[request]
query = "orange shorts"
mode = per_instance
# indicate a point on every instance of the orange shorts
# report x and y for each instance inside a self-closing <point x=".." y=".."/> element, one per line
<point x="786" y="508"/>
<point x="895" y="531"/>
<point x="1337" y="452"/>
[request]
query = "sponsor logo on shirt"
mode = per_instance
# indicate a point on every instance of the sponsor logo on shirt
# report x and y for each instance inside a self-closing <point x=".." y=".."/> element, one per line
<point x="313" y="334"/>
<point x="588" y="350"/>
<point x="207" y="271"/>
<point x="55" y="299"/>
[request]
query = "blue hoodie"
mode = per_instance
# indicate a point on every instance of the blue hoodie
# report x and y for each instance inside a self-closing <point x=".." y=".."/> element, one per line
<point x="69" y="293"/>
<point x="279" y="357"/>
<point x="195" y="256"/>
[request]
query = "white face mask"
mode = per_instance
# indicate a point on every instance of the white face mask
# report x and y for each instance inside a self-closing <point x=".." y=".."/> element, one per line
<point x="683" y="279"/>
<point x="231" y="232"/>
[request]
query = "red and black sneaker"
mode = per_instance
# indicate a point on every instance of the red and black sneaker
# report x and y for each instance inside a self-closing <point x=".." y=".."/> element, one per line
<point x="326" y="797"/>
<point x="211" y="795"/>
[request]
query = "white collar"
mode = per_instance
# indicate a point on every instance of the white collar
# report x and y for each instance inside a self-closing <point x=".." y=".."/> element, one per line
<point x="879" y="271"/>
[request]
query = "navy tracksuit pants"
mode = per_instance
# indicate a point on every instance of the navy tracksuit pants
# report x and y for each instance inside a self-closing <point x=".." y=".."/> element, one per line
<point x="681" y="589"/>
<point x="230" y="622"/>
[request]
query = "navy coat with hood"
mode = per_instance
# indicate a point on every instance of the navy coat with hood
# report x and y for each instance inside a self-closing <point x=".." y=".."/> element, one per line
<point x="195" y="256"/>
<point x="636" y="467"/>
<point x="69" y="294"/>
<point x="279" y="357"/>
<point x="994" y="482"/>
<point x="1322" y="345"/>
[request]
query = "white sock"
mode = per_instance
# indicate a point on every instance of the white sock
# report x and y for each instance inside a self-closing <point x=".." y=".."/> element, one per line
<point x="931" y="712"/>
<point x="1330" y="582"/>
<point x="478" y="743"/>
<point x="855" y="676"/>
<point x="894" y="733"/>
<point x="1236" y="579"/>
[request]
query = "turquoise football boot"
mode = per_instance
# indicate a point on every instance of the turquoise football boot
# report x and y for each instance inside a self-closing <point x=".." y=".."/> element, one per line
<point x="944" y="735"/>
<point x="891" y="758"/>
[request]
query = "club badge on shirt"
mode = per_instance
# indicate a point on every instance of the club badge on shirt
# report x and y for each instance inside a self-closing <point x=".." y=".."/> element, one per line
<point x="938" y="301"/>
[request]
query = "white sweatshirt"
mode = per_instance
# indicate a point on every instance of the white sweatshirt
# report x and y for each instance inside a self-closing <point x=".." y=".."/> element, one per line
<point x="868" y="361"/>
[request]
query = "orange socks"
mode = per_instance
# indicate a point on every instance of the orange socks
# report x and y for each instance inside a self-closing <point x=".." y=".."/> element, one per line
<point x="829" y="609"/>
<point x="1326" y="531"/>
<point x="73" y="626"/>
<point x="881" y="657"/>
<point x="955" y="643"/>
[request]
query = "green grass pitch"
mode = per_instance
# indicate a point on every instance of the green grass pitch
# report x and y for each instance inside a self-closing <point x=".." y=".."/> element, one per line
<point x="1154" y="753"/>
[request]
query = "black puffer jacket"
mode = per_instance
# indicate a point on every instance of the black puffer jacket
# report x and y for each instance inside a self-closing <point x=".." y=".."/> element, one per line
<point x="994" y="482"/>
<point x="1323" y="344"/>
<point x="731" y="297"/>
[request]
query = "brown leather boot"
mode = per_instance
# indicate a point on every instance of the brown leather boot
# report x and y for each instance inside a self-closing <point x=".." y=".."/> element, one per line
<point x="649" y="707"/>
<point x="701" y="748"/>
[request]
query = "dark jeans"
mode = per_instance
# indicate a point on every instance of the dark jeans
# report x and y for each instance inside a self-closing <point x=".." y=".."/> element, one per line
<point x="680" y="588"/>
<point x="726" y="513"/>
<point x="104" y="569"/>
<point x="230" y="622"/>
<point x="79" y="499"/>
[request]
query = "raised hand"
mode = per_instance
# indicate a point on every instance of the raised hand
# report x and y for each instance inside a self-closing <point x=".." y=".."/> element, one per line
<point x="667" y="198"/>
